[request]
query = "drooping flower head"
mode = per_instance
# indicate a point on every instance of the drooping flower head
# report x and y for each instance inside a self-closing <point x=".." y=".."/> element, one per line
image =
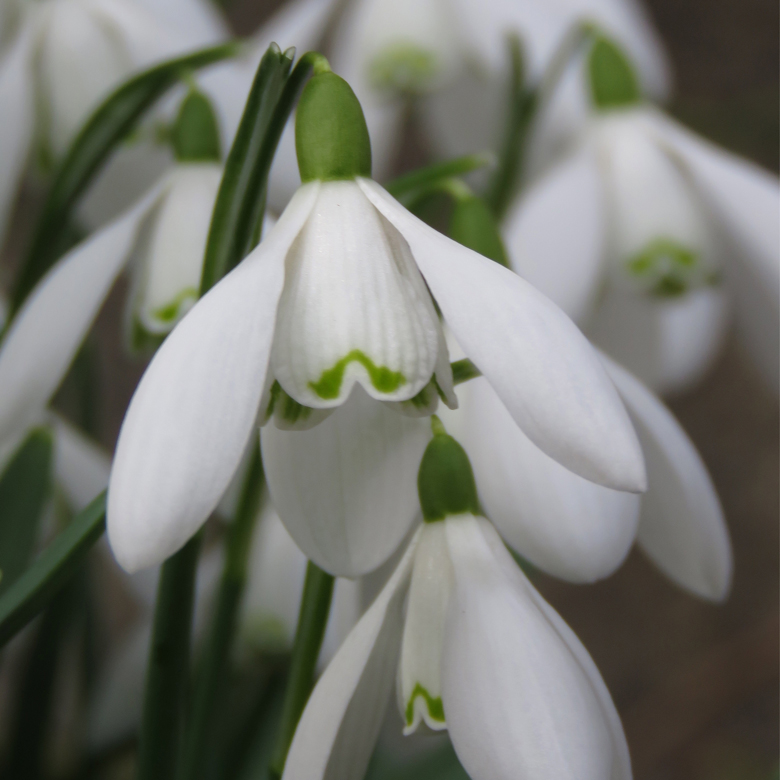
<point x="469" y="646"/>
<point x="338" y="295"/>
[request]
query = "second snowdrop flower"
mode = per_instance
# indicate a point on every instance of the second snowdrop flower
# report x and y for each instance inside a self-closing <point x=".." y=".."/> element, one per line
<point x="477" y="652"/>
<point x="337" y="295"/>
<point x="162" y="238"/>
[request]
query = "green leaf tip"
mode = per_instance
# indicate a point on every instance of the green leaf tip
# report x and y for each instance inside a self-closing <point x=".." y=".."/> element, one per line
<point x="613" y="80"/>
<point x="445" y="482"/>
<point x="195" y="134"/>
<point x="331" y="136"/>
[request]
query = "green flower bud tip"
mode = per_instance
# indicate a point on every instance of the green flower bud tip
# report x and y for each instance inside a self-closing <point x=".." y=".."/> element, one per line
<point x="331" y="137"/>
<point x="445" y="482"/>
<point x="473" y="225"/>
<point x="195" y="134"/>
<point x="613" y="80"/>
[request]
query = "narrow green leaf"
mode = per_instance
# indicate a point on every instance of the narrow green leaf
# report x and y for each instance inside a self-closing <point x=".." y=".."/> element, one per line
<point x="24" y="488"/>
<point x="412" y="186"/>
<point x="214" y="664"/>
<point x="242" y="191"/>
<point x="111" y="122"/>
<point x="312" y="620"/>
<point x="53" y="568"/>
<point x="238" y="212"/>
<point x="168" y="671"/>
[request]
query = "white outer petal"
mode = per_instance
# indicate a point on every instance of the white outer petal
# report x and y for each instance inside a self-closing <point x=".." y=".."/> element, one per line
<point x="682" y="527"/>
<point x="18" y="111"/>
<point x="541" y="366"/>
<point x="555" y="234"/>
<point x="194" y="410"/>
<point x="520" y="700"/>
<point x="745" y="202"/>
<point x="347" y="489"/>
<point x="669" y="344"/>
<point x="49" y="328"/>
<point x="81" y="467"/>
<point x="337" y="731"/>
<point x="563" y="524"/>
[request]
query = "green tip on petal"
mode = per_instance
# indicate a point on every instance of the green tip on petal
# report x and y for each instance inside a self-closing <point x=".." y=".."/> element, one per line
<point x="195" y="134"/>
<point x="445" y="481"/>
<point x="613" y="80"/>
<point x="473" y="225"/>
<point x="331" y="137"/>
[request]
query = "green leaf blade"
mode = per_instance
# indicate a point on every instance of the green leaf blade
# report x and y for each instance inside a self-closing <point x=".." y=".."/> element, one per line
<point x="53" y="568"/>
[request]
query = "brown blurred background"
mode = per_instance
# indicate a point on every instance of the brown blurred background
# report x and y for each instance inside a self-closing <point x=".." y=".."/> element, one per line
<point x="696" y="684"/>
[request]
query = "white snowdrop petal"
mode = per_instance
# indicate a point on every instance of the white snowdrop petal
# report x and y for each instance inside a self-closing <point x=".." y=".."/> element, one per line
<point x="49" y="328"/>
<point x="337" y="731"/>
<point x="682" y="527"/>
<point x="669" y="344"/>
<point x="172" y="260"/>
<point x="419" y="670"/>
<point x="18" y="111"/>
<point x="563" y="263"/>
<point x="81" y="467"/>
<point x="517" y="699"/>
<point x="539" y="364"/>
<point x="347" y="489"/>
<point x="563" y="524"/>
<point x="194" y="410"/>
<point x="354" y="307"/>
<point x="745" y="203"/>
<point x="80" y="61"/>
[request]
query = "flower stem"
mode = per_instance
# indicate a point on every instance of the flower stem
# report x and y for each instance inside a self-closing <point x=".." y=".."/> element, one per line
<point x="169" y="668"/>
<point x="312" y="619"/>
<point x="216" y="656"/>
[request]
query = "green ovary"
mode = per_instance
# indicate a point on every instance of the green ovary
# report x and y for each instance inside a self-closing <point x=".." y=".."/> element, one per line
<point x="382" y="378"/>
<point x="435" y="707"/>
<point x="403" y="67"/>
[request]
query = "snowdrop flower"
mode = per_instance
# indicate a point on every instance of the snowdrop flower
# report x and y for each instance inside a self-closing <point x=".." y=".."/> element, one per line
<point x="336" y="297"/>
<point x="664" y="229"/>
<point x="66" y="57"/>
<point x="476" y="651"/>
<point x="163" y="235"/>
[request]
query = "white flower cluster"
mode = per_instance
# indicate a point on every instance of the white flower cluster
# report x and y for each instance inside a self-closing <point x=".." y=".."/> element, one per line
<point x="333" y="341"/>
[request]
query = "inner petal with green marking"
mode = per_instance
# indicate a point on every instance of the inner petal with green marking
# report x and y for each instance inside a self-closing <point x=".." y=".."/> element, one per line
<point x="434" y="705"/>
<point x="667" y="268"/>
<point x="384" y="379"/>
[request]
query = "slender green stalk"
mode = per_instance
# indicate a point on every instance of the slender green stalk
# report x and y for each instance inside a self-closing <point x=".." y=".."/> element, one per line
<point x="525" y="104"/>
<point x="111" y="122"/>
<point x="411" y="186"/>
<point x="522" y="106"/>
<point x="216" y="657"/>
<point x="463" y="370"/>
<point x="312" y="619"/>
<point x="35" y="696"/>
<point x="168" y="671"/>
<point x="53" y="568"/>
